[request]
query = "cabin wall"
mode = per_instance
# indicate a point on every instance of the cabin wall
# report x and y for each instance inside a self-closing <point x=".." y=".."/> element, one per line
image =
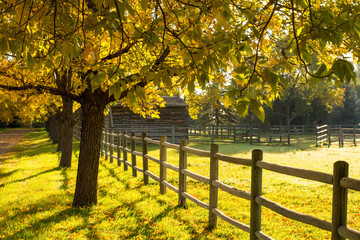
<point x="172" y="118"/>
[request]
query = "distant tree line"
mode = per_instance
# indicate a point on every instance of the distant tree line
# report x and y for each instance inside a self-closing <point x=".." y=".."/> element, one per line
<point x="325" y="104"/>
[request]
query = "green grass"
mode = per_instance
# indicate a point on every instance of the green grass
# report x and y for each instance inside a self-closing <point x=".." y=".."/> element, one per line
<point x="36" y="195"/>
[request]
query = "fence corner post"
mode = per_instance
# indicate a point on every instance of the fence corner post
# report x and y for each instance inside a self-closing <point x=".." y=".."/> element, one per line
<point x="145" y="160"/>
<point x="133" y="156"/>
<point x="214" y="175"/>
<point x="182" y="177"/>
<point x="162" y="167"/>
<point x="339" y="205"/>
<point x="256" y="188"/>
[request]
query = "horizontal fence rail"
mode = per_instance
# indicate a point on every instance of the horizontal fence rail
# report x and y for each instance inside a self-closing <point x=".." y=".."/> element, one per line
<point x="123" y="144"/>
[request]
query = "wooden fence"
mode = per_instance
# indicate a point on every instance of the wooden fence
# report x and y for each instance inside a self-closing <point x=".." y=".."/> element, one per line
<point x="115" y="146"/>
<point x="327" y="134"/>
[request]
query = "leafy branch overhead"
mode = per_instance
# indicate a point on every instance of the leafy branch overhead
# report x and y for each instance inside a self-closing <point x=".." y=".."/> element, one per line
<point x="117" y="46"/>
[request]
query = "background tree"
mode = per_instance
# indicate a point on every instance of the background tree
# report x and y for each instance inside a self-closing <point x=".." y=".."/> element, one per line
<point x="304" y="103"/>
<point x="349" y="114"/>
<point x="212" y="110"/>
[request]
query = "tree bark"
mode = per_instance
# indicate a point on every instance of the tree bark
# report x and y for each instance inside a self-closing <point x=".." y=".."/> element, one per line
<point x="92" y="107"/>
<point x="54" y="128"/>
<point x="61" y="130"/>
<point x="67" y="132"/>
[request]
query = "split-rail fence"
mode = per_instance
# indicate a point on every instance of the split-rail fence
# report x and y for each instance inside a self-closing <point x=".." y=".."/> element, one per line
<point x="115" y="145"/>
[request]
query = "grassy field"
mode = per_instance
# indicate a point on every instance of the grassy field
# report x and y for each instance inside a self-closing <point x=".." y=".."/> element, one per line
<point x="36" y="195"/>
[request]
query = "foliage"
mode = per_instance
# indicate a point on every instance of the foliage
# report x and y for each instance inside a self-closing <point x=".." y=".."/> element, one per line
<point x="28" y="106"/>
<point x="35" y="196"/>
<point x="299" y="101"/>
<point x="350" y="112"/>
<point x="116" y="45"/>
<point x="210" y="109"/>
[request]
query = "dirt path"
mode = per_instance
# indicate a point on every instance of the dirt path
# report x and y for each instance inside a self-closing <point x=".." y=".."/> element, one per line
<point x="10" y="138"/>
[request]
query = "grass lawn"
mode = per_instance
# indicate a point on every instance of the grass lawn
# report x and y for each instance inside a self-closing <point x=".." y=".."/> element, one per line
<point x="36" y="195"/>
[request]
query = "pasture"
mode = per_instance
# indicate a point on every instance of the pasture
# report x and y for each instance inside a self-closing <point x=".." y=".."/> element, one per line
<point x="36" y="195"/>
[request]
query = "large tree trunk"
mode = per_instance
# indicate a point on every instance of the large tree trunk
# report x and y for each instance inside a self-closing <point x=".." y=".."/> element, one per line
<point x="67" y="132"/>
<point x="87" y="175"/>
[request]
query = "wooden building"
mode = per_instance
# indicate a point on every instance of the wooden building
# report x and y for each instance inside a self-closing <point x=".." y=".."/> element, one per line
<point x="173" y="121"/>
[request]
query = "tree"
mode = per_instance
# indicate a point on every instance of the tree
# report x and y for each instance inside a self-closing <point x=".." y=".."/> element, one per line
<point x="349" y="113"/>
<point x="212" y="110"/>
<point x="127" y="50"/>
<point x="28" y="106"/>
<point x="300" y="99"/>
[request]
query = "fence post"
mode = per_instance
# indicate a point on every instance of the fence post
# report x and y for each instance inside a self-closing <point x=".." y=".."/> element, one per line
<point x="289" y="135"/>
<point x="106" y="145"/>
<point x="124" y="145"/>
<point x="354" y="135"/>
<point x="234" y="133"/>
<point x="214" y="175"/>
<point x="162" y="167"/>
<point x="111" y="146"/>
<point x="251" y="134"/>
<point x="102" y="141"/>
<point x="118" y="139"/>
<point x="212" y="134"/>
<point x="182" y="177"/>
<point x="145" y="160"/>
<point x="133" y="156"/>
<point x="256" y="188"/>
<point x="339" y="205"/>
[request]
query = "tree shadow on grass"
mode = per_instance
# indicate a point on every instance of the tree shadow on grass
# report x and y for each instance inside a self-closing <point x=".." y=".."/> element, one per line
<point x="30" y="177"/>
<point x="144" y="227"/>
<point x="7" y="174"/>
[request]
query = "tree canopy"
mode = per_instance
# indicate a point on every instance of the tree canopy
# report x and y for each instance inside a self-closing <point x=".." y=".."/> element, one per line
<point x="119" y="50"/>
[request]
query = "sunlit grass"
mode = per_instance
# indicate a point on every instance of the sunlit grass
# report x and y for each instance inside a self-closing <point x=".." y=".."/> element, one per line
<point x="36" y="195"/>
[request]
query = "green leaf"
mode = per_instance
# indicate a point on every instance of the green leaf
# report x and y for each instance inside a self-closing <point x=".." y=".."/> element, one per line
<point x="321" y="70"/>
<point x="344" y="70"/>
<point x="191" y="86"/>
<point x="270" y="77"/>
<point x="307" y="56"/>
<point x="144" y="4"/>
<point x="283" y="82"/>
<point x="204" y="8"/>
<point x="30" y="61"/>
<point x="257" y="109"/>
<point x="154" y="38"/>
<point x="132" y="98"/>
<point x="224" y="50"/>
<point x="357" y="30"/>
<point x="140" y="92"/>
<point x="115" y="90"/>
<point x="97" y="79"/>
<point x="3" y="45"/>
<point x="130" y="9"/>
<point x="242" y="108"/>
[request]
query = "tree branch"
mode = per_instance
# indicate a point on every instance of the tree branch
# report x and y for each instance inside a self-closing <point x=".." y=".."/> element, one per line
<point x="119" y="53"/>
<point x="41" y="88"/>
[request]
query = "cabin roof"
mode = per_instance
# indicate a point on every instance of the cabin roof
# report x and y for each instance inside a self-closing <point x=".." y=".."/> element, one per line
<point x="169" y="102"/>
<point x="174" y="102"/>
